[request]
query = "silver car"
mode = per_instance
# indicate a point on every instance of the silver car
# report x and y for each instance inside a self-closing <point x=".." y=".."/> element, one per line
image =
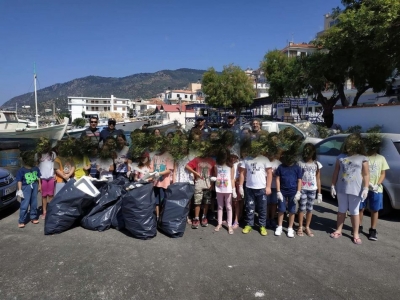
<point x="330" y="148"/>
<point x="8" y="188"/>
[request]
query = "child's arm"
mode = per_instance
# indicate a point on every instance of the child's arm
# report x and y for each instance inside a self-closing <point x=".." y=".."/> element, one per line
<point x="269" y="181"/>
<point x="318" y="177"/>
<point x="39" y="185"/>
<point x="299" y="185"/>
<point x="196" y="175"/>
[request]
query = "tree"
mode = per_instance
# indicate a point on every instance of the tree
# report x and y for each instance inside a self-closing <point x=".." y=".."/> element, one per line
<point x="231" y="88"/>
<point x="79" y="122"/>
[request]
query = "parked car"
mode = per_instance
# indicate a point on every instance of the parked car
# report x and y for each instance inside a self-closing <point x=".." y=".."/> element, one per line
<point x="330" y="148"/>
<point x="272" y="126"/>
<point x="8" y="188"/>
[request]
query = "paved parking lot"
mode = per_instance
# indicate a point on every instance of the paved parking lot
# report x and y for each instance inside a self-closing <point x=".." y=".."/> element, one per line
<point x="81" y="264"/>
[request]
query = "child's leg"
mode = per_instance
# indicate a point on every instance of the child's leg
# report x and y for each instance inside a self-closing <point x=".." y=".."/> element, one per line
<point x="281" y="211"/>
<point x="196" y="211"/>
<point x="228" y="205"/>
<point x="280" y="218"/>
<point x="220" y="200"/>
<point x="250" y="207"/>
<point x="261" y="198"/>
<point x="23" y="209"/>
<point x="309" y="207"/>
<point x="354" y="208"/>
<point x="33" y="202"/>
<point x="291" y="220"/>
<point x="343" y="206"/>
<point x="302" y="208"/>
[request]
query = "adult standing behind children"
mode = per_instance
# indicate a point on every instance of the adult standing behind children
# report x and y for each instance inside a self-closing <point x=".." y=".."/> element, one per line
<point x="93" y="132"/>
<point x="28" y="183"/>
<point x="351" y="180"/>
<point x="201" y="125"/>
<point x="110" y="130"/>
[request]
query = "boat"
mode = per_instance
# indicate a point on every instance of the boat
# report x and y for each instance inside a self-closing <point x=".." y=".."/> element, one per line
<point x="24" y="132"/>
<point x="27" y="133"/>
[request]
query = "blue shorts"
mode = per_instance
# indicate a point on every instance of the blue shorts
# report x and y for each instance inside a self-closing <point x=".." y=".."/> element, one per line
<point x="159" y="193"/>
<point x="272" y="199"/>
<point x="288" y="202"/>
<point x="375" y="201"/>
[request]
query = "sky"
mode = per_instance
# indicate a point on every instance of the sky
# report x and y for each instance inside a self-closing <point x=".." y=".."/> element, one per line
<point x="69" y="39"/>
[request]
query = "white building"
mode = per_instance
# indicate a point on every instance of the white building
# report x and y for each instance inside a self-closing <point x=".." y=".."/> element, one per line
<point x="298" y="50"/>
<point x="260" y="83"/>
<point x="173" y="113"/>
<point x="86" y="106"/>
<point x="177" y="96"/>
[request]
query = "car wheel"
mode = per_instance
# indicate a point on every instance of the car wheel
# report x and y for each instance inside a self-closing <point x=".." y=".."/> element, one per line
<point x="393" y="101"/>
<point x="387" y="206"/>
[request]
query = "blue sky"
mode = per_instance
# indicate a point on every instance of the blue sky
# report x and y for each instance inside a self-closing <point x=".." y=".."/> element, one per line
<point x="70" y="39"/>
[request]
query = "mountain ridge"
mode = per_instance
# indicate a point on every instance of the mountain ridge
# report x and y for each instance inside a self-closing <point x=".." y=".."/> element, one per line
<point x="140" y="85"/>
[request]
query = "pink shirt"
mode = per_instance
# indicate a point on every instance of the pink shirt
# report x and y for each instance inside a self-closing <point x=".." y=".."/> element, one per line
<point x="162" y="162"/>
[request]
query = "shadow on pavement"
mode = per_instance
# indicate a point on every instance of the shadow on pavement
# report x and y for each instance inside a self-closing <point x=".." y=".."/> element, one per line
<point x="8" y="211"/>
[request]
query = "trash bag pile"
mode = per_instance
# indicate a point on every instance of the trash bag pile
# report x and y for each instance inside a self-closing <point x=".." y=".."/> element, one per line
<point x="122" y="206"/>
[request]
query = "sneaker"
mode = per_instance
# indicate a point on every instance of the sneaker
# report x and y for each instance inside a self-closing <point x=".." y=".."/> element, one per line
<point x="195" y="223"/>
<point x="290" y="233"/>
<point x="247" y="229"/>
<point x="263" y="231"/>
<point x="278" y="231"/>
<point x="373" y="235"/>
<point x="204" y="222"/>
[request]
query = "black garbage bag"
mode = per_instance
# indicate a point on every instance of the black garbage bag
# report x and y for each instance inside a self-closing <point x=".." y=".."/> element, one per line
<point x="101" y="216"/>
<point x="117" y="220"/>
<point x="176" y="209"/>
<point x="67" y="208"/>
<point x="138" y="211"/>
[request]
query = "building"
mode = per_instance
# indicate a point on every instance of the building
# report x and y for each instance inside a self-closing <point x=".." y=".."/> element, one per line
<point x="177" y="96"/>
<point x="298" y="50"/>
<point x="171" y="113"/>
<point x="329" y="22"/>
<point x="259" y="81"/>
<point x="85" y="106"/>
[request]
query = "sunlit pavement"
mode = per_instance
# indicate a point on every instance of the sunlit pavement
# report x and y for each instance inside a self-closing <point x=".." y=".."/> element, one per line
<point x="81" y="264"/>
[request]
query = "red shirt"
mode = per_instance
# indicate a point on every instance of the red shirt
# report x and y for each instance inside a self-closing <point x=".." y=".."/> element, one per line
<point x="203" y="166"/>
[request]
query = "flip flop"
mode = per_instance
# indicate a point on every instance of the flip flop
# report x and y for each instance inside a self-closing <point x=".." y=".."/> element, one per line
<point x="335" y="235"/>
<point x="217" y="228"/>
<point x="230" y="231"/>
<point x="357" y="241"/>
<point x="21" y="225"/>
<point x="35" y="222"/>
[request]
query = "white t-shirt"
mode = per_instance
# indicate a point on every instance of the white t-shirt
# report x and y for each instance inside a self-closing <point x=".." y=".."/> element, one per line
<point x="236" y="172"/>
<point x="224" y="179"/>
<point x="274" y="165"/>
<point x="256" y="171"/>
<point x="309" y="179"/>
<point x="46" y="165"/>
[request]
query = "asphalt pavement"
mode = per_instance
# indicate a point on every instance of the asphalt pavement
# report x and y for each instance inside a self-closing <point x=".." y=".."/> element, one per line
<point x="203" y="264"/>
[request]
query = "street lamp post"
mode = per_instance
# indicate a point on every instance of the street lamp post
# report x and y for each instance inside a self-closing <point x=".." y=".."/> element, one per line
<point x="180" y="104"/>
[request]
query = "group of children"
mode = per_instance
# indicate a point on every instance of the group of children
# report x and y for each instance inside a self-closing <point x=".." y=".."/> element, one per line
<point x="266" y="177"/>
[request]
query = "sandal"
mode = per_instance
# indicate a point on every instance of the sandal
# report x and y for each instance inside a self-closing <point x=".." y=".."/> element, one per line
<point x="357" y="241"/>
<point x="218" y="227"/>
<point x="300" y="231"/>
<point x="335" y="235"/>
<point x="35" y="222"/>
<point x="230" y="230"/>
<point x="235" y="225"/>
<point x="309" y="232"/>
<point x="21" y="225"/>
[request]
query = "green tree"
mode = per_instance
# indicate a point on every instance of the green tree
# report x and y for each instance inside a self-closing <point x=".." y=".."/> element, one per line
<point x="79" y="122"/>
<point x="231" y="88"/>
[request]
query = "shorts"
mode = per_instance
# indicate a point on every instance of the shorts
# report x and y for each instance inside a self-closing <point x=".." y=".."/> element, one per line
<point x="48" y="186"/>
<point x="306" y="201"/>
<point x="287" y="203"/>
<point x="273" y="198"/>
<point x="348" y="202"/>
<point x="202" y="196"/>
<point x="159" y="194"/>
<point x="374" y="201"/>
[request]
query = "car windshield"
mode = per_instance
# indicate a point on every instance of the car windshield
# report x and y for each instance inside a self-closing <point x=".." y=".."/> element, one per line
<point x="397" y="145"/>
<point x="331" y="147"/>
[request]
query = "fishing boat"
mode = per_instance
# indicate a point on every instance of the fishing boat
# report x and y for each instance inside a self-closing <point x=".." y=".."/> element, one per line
<point x="27" y="133"/>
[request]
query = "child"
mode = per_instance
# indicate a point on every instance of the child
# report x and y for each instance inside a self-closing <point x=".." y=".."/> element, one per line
<point x="272" y="200"/>
<point x="258" y="174"/>
<point x="288" y="187"/>
<point x="29" y="185"/>
<point x="46" y="166"/>
<point x="377" y="171"/>
<point x="237" y="201"/>
<point x="351" y="179"/>
<point x="202" y="168"/>
<point x="63" y="165"/>
<point x="81" y="160"/>
<point x="225" y="187"/>
<point x="163" y="166"/>
<point x="311" y="183"/>
<point x="144" y="165"/>
<point x="122" y="166"/>
<point x="105" y="164"/>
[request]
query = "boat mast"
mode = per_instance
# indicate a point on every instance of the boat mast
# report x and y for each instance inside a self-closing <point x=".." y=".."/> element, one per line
<point x="34" y="82"/>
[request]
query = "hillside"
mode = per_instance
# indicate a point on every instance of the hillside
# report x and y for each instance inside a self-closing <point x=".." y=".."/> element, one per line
<point x="142" y="85"/>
